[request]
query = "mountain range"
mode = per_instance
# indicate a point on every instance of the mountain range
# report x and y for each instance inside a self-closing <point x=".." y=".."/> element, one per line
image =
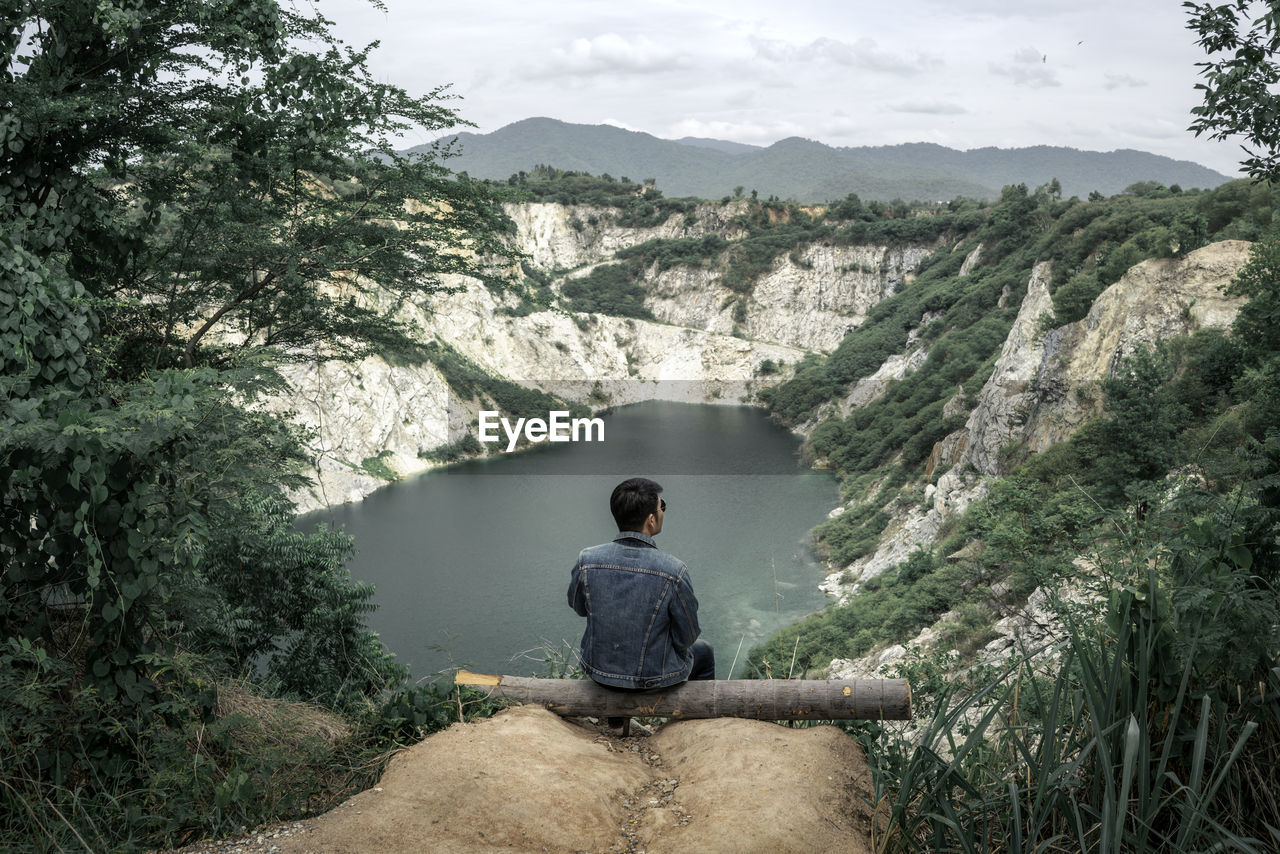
<point x="803" y="170"/>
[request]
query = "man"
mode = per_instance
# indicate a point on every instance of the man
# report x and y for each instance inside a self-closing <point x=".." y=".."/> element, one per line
<point x="642" y="617"/>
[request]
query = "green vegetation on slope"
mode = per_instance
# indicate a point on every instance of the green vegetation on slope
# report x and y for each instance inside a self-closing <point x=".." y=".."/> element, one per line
<point x="471" y="382"/>
<point x="888" y="440"/>
<point x="963" y="324"/>
<point x="638" y="205"/>
<point x="1168" y="681"/>
<point x="608" y="289"/>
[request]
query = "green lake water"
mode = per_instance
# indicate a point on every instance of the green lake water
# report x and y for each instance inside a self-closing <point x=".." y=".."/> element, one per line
<point x="471" y="563"/>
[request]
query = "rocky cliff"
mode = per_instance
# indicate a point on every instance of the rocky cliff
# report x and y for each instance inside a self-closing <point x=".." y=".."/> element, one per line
<point x="1045" y="383"/>
<point x="374" y="418"/>
<point x="558" y="237"/>
<point x="810" y="299"/>
<point x="694" y="351"/>
<point x="1043" y="386"/>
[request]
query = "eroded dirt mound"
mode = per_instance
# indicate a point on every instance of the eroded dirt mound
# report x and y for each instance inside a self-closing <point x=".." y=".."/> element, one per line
<point x="757" y="786"/>
<point x="527" y="780"/>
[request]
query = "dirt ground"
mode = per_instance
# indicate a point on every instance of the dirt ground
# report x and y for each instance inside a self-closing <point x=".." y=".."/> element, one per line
<point x="527" y="780"/>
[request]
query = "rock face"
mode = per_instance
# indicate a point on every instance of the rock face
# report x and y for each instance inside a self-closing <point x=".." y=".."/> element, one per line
<point x="1045" y="384"/>
<point x="810" y="298"/>
<point x="563" y="237"/>
<point x="1155" y="300"/>
<point x="1007" y="397"/>
<point x="834" y="286"/>
<point x="839" y="284"/>
<point x="695" y="352"/>
<point x="360" y="411"/>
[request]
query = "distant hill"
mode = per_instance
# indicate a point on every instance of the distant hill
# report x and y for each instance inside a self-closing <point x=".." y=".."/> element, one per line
<point x="718" y="144"/>
<point x="807" y="171"/>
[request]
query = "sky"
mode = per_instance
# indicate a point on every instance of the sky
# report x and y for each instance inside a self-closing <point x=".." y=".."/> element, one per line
<point x="1091" y="74"/>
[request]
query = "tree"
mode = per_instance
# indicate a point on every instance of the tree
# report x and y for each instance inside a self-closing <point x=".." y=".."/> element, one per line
<point x="1241" y="40"/>
<point x="1136" y="439"/>
<point x="194" y="193"/>
<point x="202" y="173"/>
<point x="1257" y="331"/>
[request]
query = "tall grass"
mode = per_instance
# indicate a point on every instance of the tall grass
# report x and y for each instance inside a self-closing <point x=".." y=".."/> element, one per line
<point x="1127" y="743"/>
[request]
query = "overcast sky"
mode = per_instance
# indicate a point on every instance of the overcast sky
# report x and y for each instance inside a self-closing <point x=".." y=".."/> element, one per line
<point x="1091" y="74"/>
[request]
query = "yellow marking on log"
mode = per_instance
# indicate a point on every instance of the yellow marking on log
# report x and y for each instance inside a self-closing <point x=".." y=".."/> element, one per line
<point x="847" y="691"/>
<point x="466" y="677"/>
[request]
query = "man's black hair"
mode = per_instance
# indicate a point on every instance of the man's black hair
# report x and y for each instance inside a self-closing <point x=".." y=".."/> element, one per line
<point x="632" y="502"/>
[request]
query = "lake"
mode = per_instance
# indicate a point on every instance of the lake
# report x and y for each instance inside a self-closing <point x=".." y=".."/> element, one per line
<point x="471" y="563"/>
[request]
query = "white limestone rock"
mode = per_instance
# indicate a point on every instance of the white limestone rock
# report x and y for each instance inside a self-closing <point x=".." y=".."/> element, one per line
<point x="1045" y="385"/>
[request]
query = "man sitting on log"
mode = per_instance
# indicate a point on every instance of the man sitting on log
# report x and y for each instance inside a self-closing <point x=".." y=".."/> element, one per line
<point x="642" y="616"/>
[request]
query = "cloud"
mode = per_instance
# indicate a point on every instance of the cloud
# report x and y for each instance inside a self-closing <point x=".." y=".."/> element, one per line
<point x="1117" y="81"/>
<point x="863" y="53"/>
<point x="1029" y="67"/>
<point x="932" y="108"/>
<point x="1151" y="130"/>
<point x="618" y="123"/>
<point x="757" y="133"/>
<point x="610" y="53"/>
<point x="1028" y="10"/>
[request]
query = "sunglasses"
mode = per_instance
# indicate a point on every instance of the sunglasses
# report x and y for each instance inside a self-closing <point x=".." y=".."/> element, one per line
<point x="662" y="502"/>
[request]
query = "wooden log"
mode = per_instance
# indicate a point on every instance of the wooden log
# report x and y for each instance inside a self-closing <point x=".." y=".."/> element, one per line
<point x="763" y="699"/>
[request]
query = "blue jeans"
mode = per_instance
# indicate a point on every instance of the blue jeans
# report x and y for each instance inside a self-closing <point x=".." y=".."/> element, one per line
<point x="704" y="668"/>
<point x="704" y="661"/>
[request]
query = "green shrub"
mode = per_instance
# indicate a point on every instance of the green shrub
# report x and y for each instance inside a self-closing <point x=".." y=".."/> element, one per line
<point x="638" y="205"/>
<point x="1140" y="738"/>
<point x="466" y="446"/>
<point x="609" y="289"/>
<point x="665" y="253"/>
<point x="471" y="382"/>
<point x="377" y="466"/>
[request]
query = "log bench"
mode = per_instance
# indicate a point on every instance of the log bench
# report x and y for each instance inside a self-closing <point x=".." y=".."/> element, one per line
<point x="762" y="699"/>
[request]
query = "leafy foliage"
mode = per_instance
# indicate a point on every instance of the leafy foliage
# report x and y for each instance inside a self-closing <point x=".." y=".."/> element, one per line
<point x="608" y="289"/>
<point x="471" y="382"/>
<point x="1241" y="39"/>
<point x="1142" y="736"/>
<point x="196" y="193"/>
<point x="962" y="323"/>
<point x="1095" y="243"/>
<point x="638" y="205"/>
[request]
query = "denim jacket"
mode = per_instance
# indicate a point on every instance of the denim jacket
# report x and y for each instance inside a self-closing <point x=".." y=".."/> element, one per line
<point x="642" y="616"/>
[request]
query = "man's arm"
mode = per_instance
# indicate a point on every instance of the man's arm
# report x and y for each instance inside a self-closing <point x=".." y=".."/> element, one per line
<point x="684" y="614"/>
<point x="578" y="590"/>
